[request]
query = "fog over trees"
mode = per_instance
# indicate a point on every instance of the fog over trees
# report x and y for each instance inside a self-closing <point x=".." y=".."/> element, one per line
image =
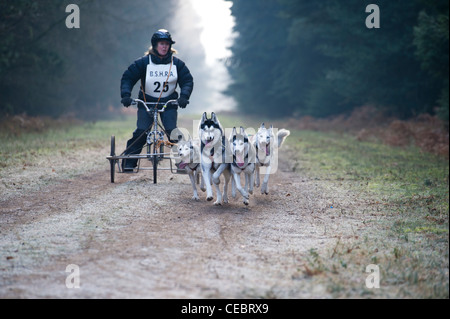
<point x="319" y="58"/>
<point x="298" y="57"/>
<point x="49" y="69"/>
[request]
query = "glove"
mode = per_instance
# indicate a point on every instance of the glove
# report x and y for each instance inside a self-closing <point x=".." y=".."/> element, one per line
<point x="183" y="102"/>
<point x="126" y="101"/>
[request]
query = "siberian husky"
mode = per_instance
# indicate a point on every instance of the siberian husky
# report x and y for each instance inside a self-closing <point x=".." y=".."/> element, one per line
<point x="265" y="144"/>
<point x="243" y="162"/>
<point x="214" y="157"/>
<point x="189" y="153"/>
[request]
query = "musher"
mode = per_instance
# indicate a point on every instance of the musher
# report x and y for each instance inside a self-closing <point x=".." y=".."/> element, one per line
<point x="160" y="72"/>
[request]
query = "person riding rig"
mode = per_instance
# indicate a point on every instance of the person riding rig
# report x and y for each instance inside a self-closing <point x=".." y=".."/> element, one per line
<point x="160" y="73"/>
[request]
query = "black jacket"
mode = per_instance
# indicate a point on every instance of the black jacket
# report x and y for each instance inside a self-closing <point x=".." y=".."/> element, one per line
<point x="137" y="71"/>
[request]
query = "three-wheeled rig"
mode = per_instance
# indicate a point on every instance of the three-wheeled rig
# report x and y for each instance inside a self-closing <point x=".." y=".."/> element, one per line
<point x="155" y="146"/>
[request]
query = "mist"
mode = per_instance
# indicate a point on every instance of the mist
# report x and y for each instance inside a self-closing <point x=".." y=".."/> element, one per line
<point x="205" y="60"/>
<point x="78" y="70"/>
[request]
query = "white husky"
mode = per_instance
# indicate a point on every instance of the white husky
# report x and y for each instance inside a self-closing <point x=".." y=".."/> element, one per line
<point x="243" y="162"/>
<point x="266" y="145"/>
<point x="189" y="153"/>
<point x="214" y="158"/>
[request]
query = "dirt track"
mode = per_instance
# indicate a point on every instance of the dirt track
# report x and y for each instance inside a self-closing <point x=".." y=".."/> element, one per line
<point x="137" y="240"/>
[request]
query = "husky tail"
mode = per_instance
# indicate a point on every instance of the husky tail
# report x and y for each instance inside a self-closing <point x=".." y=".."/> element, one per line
<point x="282" y="135"/>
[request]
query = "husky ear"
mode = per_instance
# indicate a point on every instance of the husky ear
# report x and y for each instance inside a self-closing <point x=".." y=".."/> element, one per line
<point x="214" y="117"/>
<point x="216" y="121"/>
<point x="233" y="134"/>
<point x="180" y="138"/>
<point x="263" y="125"/>
<point x="204" y="118"/>
<point x="243" y="131"/>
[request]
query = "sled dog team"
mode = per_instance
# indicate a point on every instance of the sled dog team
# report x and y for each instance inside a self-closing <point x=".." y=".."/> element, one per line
<point x="213" y="155"/>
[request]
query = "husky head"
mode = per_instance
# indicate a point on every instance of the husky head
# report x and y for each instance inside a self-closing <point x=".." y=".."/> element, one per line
<point x="210" y="130"/>
<point x="240" y="146"/>
<point x="264" y="137"/>
<point x="184" y="147"/>
<point x="186" y="151"/>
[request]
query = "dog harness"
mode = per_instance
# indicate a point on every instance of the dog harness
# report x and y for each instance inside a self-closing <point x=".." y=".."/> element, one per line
<point x="161" y="79"/>
<point x="267" y="151"/>
<point x="211" y="155"/>
<point x="246" y="161"/>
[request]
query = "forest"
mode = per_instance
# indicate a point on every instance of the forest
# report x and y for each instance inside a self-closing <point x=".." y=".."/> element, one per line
<point x="315" y="58"/>
<point x="318" y="58"/>
<point x="48" y="69"/>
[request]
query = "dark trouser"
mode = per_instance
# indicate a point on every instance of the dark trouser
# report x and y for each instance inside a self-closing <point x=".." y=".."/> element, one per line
<point x="144" y="124"/>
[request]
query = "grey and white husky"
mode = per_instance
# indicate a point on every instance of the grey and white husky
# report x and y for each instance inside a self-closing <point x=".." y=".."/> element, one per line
<point x="214" y="157"/>
<point x="243" y="162"/>
<point x="266" y="145"/>
<point x="189" y="154"/>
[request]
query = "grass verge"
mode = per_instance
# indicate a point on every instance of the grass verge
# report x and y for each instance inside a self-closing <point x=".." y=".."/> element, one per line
<point x="404" y="202"/>
<point x="28" y="147"/>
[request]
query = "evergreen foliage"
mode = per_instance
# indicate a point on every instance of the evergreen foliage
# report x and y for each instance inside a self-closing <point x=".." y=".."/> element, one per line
<point x="48" y="69"/>
<point x="319" y="58"/>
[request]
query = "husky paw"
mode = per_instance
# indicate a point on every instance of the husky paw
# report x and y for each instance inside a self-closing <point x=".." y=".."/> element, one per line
<point x="246" y="202"/>
<point x="196" y="198"/>
<point x="218" y="203"/>
<point x="209" y="198"/>
<point x="265" y="189"/>
<point x="246" y="197"/>
<point x="225" y="199"/>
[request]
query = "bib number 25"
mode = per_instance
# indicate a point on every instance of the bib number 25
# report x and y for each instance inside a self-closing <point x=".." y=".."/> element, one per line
<point x="159" y="85"/>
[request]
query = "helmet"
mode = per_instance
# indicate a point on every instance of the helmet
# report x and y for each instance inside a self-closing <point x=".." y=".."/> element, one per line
<point x="161" y="35"/>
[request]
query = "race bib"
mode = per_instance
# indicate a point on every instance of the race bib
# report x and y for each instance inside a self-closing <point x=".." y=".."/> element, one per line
<point x="158" y="80"/>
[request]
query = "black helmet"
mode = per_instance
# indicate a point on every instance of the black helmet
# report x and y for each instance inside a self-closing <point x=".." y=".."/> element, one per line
<point x="161" y="35"/>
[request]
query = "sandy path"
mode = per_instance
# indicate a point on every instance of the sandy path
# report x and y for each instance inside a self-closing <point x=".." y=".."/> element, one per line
<point x="134" y="239"/>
